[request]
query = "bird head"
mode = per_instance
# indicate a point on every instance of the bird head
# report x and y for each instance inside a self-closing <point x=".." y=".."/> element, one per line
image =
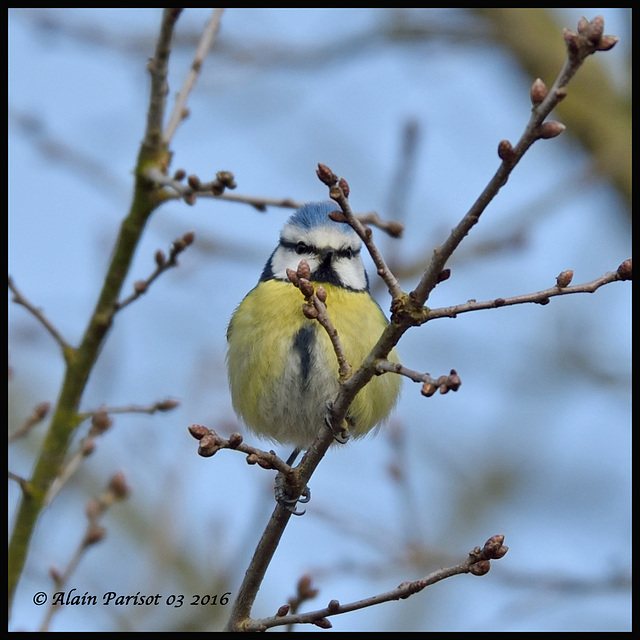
<point x="331" y="248"/>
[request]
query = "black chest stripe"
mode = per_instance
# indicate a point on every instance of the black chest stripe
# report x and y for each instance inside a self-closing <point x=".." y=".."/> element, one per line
<point x="303" y="343"/>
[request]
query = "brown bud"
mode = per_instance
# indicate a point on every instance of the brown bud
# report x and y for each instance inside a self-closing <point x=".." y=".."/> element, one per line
<point x="160" y="258"/>
<point x="306" y="287"/>
<point x="41" y="410"/>
<point x="505" y="151"/>
<point x="304" y="270"/>
<point x="583" y="25"/>
<point x="198" y="431"/>
<point x="93" y="508"/>
<point x="282" y="611"/>
<point x="564" y="278"/>
<point x="624" y="270"/>
<point x="179" y="245"/>
<point x="189" y="198"/>
<point x="305" y="590"/>
<point x="193" y="181"/>
<point x="188" y="238"/>
<point x="208" y="445"/>
<point x="538" y="92"/>
<point x="140" y="286"/>
<point x="337" y="216"/>
<point x="326" y="175"/>
<point x="235" y="440"/>
<point x="480" y="568"/>
<point x="321" y="292"/>
<point x="596" y="29"/>
<point x="100" y="421"/>
<point x="428" y="389"/>
<point x="167" y="405"/>
<point x="607" y="42"/>
<point x="494" y="542"/>
<point x="454" y="381"/>
<point x="94" y="534"/>
<point x="335" y="192"/>
<point x="344" y="185"/>
<point x="572" y="40"/>
<point x="445" y="274"/>
<point x="395" y="229"/>
<point x="88" y="446"/>
<point x="323" y="623"/>
<point x="333" y="606"/>
<point x="118" y="486"/>
<point x="227" y="179"/>
<point x="293" y="276"/>
<point x="310" y="311"/>
<point x="550" y="129"/>
<point x="179" y="175"/>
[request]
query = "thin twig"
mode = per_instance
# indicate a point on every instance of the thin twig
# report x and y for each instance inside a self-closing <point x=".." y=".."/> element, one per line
<point x="579" y="46"/>
<point x="38" y="414"/>
<point x="94" y="533"/>
<point x="18" y="298"/>
<point x="339" y="192"/>
<point x="180" y="110"/>
<point x="539" y="297"/>
<point x="211" y="443"/>
<point x="162" y="264"/>
<point x="158" y="68"/>
<point x="477" y="563"/>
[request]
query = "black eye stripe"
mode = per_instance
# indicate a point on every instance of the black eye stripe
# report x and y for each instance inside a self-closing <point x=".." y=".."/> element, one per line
<point x="301" y="248"/>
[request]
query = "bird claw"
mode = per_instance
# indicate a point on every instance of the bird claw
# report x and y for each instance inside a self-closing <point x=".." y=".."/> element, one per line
<point x="343" y="436"/>
<point x="284" y="499"/>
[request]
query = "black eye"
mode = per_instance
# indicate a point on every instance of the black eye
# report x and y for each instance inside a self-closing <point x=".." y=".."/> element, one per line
<point x="349" y="253"/>
<point x="301" y="248"/>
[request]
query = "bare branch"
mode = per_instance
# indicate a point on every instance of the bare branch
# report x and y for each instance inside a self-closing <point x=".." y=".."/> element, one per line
<point x="116" y="490"/>
<point x="211" y="443"/>
<point x="38" y="414"/>
<point x="430" y="385"/>
<point x="158" y="69"/>
<point x="162" y="265"/>
<point x="39" y="315"/>
<point x="339" y="191"/>
<point x="477" y="563"/>
<point x="579" y="47"/>
<point x="539" y="297"/>
<point x="180" y="110"/>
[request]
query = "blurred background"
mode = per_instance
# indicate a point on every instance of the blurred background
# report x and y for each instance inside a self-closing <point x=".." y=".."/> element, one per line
<point x="408" y="106"/>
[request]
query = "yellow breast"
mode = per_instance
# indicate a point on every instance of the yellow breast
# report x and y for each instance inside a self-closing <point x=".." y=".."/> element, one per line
<point x="283" y="369"/>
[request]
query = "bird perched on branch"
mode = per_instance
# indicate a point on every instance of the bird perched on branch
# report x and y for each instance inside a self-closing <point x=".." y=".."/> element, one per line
<point x="282" y="365"/>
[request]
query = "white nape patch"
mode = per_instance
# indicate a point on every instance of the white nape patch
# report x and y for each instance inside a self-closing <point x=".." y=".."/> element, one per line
<point x="349" y="271"/>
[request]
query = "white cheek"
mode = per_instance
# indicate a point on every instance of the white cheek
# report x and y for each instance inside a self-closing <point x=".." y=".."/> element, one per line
<point x="351" y="272"/>
<point x="284" y="259"/>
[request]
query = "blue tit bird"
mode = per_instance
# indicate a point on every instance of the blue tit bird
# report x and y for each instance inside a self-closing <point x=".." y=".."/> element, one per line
<point x="282" y="367"/>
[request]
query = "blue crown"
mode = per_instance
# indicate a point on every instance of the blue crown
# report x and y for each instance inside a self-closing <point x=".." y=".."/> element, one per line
<point x="315" y="214"/>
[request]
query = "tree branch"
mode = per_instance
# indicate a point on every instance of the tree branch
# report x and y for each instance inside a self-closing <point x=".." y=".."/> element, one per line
<point x="477" y="563"/>
<point x="180" y="110"/>
<point x="407" y="311"/>
<point x="539" y="297"/>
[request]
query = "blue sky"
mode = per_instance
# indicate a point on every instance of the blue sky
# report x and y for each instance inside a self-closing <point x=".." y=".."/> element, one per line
<point x="536" y="444"/>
